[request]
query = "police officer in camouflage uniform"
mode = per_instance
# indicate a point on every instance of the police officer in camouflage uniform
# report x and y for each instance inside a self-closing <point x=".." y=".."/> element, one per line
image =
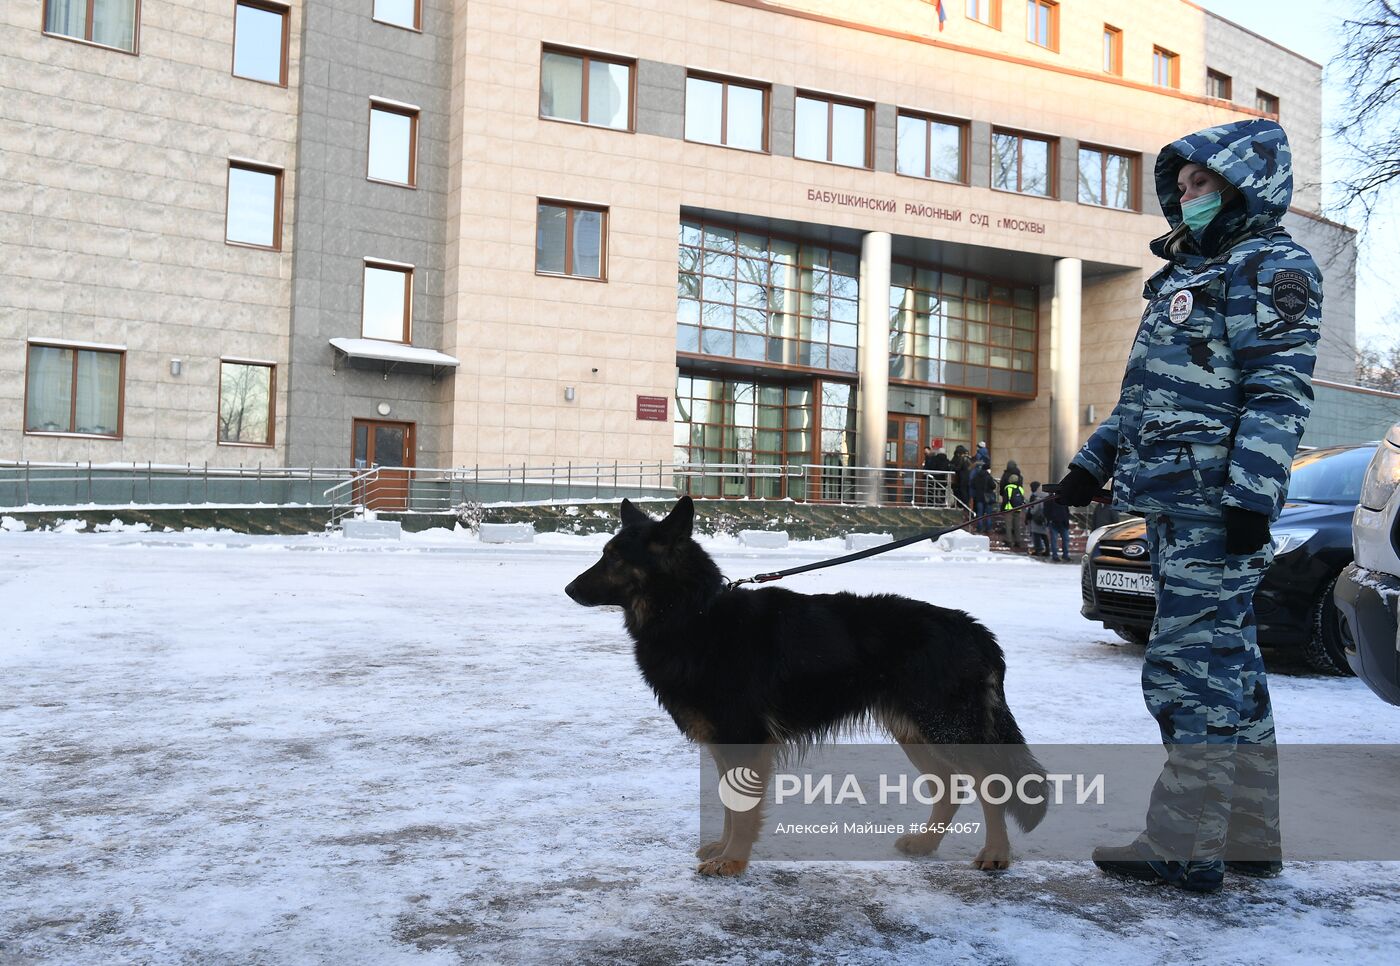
<point x="1217" y="389"/>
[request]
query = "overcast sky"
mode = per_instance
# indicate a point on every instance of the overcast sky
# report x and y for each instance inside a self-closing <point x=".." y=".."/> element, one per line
<point x="1313" y="30"/>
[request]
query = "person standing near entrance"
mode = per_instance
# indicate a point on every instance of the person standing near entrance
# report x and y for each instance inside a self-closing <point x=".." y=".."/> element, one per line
<point x="1217" y="390"/>
<point x="1013" y="497"/>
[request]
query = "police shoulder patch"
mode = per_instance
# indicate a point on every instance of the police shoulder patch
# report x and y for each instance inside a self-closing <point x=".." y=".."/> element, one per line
<point x="1289" y="293"/>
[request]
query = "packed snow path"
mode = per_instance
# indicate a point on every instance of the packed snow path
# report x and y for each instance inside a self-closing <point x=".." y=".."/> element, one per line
<point x="219" y="749"/>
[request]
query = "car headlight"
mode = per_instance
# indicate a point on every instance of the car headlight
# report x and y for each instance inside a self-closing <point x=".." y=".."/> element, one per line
<point x="1094" y="538"/>
<point x="1382" y="476"/>
<point x="1289" y="540"/>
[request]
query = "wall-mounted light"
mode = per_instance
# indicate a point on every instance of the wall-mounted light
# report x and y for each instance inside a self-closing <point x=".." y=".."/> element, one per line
<point x="175" y="367"/>
<point x="1089" y="414"/>
<point x="569" y="393"/>
<point x="384" y="409"/>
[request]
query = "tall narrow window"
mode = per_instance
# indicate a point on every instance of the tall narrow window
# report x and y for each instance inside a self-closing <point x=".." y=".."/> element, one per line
<point x="1165" y="72"/>
<point x="721" y="111"/>
<point x="930" y="148"/>
<point x="254" y="205"/>
<point x="586" y="88"/>
<point x="1266" y="102"/>
<point x="246" y="392"/>
<point x="985" y="11"/>
<point x="1112" y="50"/>
<point x="111" y="23"/>
<point x="570" y="240"/>
<point x="1043" y="23"/>
<point x="1106" y="178"/>
<point x="70" y="389"/>
<point x="1022" y="163"/>
<point x="832" y="130"/>
<point x="260" y="41"/>
<point x="393" y="142"/>
<point x="388" y="301"/>
<point x="1218" y="85"/>
<point x="401" y="13"/>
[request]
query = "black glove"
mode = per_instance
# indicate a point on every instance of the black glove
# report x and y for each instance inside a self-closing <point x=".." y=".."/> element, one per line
<point x="1077" y="488"/>
<point x="1245" y="531"/>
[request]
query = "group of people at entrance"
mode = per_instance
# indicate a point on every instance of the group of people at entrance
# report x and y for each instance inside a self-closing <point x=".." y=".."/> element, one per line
<point x="1045" y="522"/>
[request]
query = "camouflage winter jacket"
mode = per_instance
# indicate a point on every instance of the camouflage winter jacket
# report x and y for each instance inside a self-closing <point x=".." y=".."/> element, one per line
<point x="1219" y="378"/>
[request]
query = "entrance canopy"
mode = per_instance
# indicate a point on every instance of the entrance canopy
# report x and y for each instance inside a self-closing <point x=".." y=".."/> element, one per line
<point x="391" y="356"/>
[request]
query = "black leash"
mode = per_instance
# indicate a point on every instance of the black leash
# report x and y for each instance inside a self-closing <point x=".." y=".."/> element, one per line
<point x="1102" y="496"/>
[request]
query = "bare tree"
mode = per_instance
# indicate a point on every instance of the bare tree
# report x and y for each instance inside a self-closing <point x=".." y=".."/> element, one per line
<point x="1370" y="127"/>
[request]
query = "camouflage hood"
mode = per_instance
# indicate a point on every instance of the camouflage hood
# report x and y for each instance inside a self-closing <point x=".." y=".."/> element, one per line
<point x="1253" y="156"/>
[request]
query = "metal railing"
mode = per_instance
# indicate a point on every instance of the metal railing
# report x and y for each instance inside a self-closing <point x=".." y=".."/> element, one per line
<point x="438" y="490"/>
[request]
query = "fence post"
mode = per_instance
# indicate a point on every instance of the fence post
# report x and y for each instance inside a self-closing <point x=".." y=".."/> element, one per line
<point x="206" y="481"/>
<point x="614" y="479"/>
<point x="89" y="499"/>
<point x="26" y="482"/>
<point x="569" y="478"/>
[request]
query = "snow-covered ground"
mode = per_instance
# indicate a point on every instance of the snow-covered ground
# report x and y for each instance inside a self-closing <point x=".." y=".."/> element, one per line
<point x="226" y="749"/>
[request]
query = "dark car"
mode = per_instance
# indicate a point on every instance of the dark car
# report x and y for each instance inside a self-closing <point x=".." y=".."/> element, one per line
<point x="1293" y="605"/>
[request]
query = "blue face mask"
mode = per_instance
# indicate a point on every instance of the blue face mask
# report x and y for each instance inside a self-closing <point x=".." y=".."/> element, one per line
<point x="1199" y="212"/>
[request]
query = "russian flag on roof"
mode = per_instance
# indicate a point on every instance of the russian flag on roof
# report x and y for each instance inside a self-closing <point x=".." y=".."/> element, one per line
<point x="942" y="14"/>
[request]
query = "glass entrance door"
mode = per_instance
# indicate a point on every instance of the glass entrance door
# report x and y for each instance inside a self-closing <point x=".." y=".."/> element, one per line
<point x="904" y="451"/>
<point x="389" y="446"/>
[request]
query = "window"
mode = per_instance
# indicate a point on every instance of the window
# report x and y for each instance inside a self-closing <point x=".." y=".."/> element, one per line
<point x="1107" y="178"/>
<point x="393" y="142"/>
<point x="1022" y="163"/>
<point x="831" y="130"/>
<point x="985" y="11"/>
<point x="1217" y="85"/>
<point x="1112" y="50"/>
<point x="1266" y="102"/>
<point x="111" y="23"/>
<point x="570" y="240"/>
<point x="246" y="391"/>
<point x="254" y="205"/>
<point x="400" y="13"/>
<point x="719" y="111"/>
<point x="388" y="301"/>
<point x="260" y="42"/>
<point x="1043" y="23"/>
<point x="930" y="148"/>
<point x="586" y="88"/>
<point x="765" y="298"/>
<point x="71" y="389"/>
<point x="956" y="330"/>
<point x="1164" y="68"/>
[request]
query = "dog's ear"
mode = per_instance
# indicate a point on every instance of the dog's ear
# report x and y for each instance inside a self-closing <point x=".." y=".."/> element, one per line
<point x="679" y="521"/>
<point x="631" y="516"/>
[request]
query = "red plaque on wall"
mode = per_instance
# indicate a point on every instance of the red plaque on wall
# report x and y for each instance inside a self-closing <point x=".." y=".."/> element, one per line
<point x="651" y="407"/>
<point x="936" y="443"/>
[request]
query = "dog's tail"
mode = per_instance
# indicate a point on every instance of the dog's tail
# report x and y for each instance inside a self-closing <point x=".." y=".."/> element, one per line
<point x="1017" y="762"/>
<point x="1014" y="759"/>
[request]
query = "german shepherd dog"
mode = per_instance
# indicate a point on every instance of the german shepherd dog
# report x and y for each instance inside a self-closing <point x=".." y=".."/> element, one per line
<point x="751" y="672"/>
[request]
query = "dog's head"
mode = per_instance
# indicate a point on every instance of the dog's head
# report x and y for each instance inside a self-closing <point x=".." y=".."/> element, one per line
<point x="642" y="552"/>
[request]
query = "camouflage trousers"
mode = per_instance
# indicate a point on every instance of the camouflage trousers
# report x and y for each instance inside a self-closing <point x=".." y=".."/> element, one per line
<point x="1203" y="680"/>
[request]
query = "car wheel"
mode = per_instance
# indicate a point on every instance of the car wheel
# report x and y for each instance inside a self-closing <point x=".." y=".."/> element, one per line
<point x="1133" y="635"/>
<point x="1325" y="649"/>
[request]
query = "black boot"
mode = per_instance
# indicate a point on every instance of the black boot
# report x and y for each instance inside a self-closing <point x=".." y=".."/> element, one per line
<point x="1136" y="863"/>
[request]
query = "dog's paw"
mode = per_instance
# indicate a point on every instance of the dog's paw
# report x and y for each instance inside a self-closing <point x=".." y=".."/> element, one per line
<point x="993" y="858"/>
<point x="917" y="844"/>
<point x="723" y="867"/>
<point x="709" y="851"/>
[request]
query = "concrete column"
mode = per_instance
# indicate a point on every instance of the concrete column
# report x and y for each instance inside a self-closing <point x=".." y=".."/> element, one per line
<point x="1064" y="365"/>
<point x="872" y="395"/>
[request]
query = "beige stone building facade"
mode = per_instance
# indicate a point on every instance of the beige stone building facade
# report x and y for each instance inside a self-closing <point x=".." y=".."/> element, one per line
<point x="720" y="231"/>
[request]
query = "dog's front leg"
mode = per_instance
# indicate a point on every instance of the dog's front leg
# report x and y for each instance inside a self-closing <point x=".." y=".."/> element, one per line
<point x="712" y="849"/>
<point x="742" y="826"/>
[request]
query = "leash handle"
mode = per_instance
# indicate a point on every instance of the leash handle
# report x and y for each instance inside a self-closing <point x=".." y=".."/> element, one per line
<point x="1103" y="496"/>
